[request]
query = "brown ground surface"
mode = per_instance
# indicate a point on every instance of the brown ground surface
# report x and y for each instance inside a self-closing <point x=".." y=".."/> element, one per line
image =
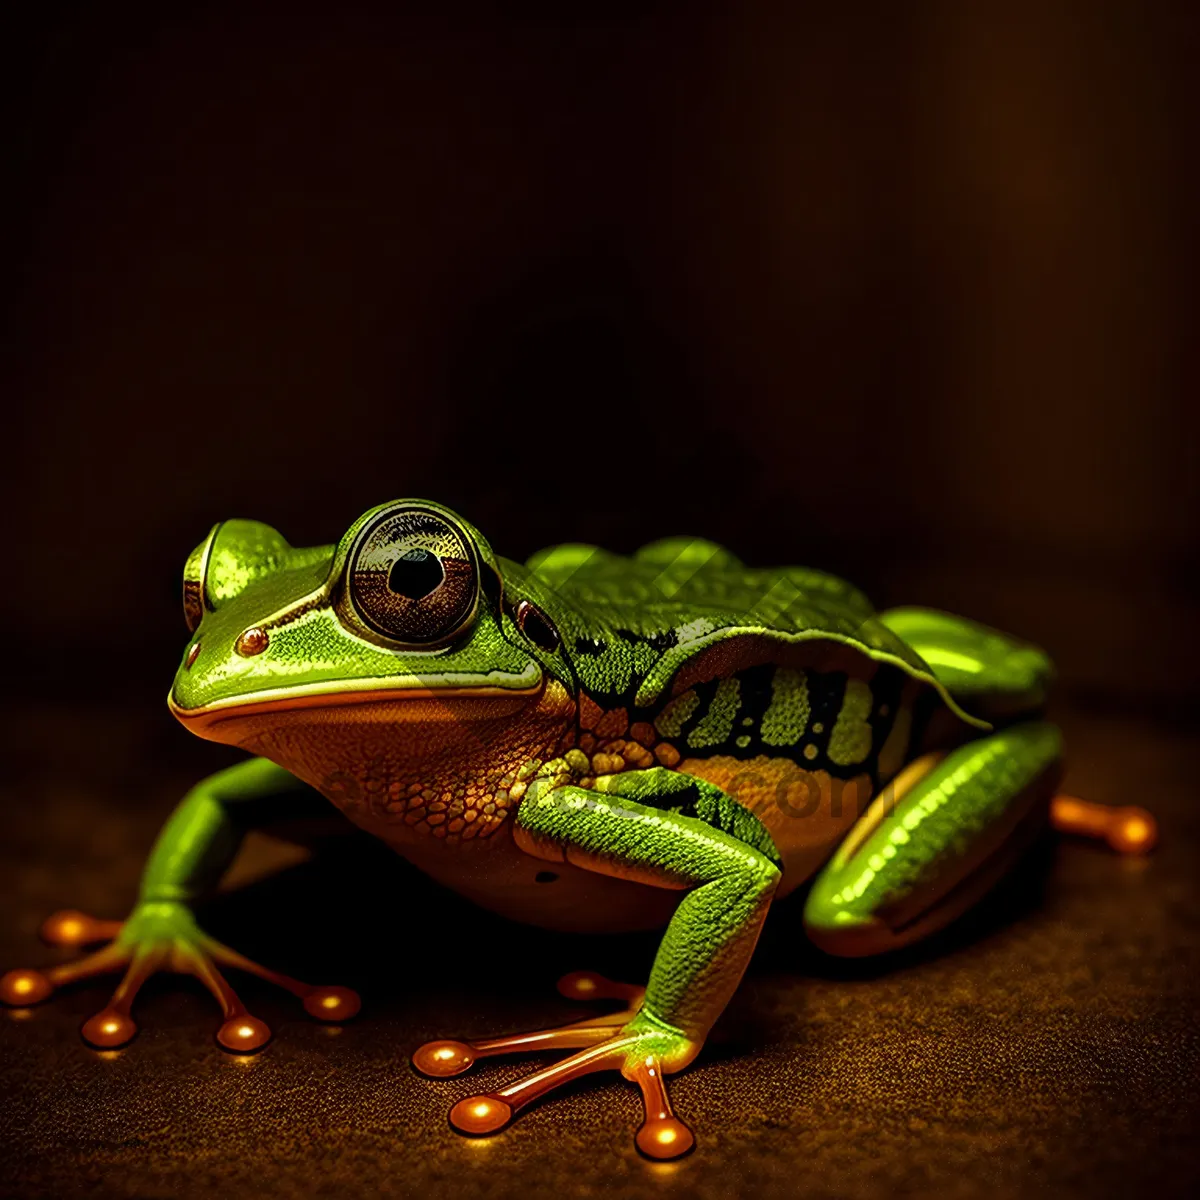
<point x="1047" y="1044"/>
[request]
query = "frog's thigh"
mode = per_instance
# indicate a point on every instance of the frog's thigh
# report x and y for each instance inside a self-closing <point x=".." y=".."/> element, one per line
<point x="926" y="850"/>
<point x="993" y="674"/>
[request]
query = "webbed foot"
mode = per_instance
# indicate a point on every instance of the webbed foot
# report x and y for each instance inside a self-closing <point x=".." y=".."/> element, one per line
<point x="630" y="1041"/>
<point x="161" y="936"/>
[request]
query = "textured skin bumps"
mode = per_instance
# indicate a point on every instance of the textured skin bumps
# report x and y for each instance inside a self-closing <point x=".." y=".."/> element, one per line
<point x="728" y="887"/>
<point x="716" y="725"/>
<point x="787" y="716"/>
<point x="851" y="739"/>
<point x="675" y="715"/>
<point x="681" y="735"/>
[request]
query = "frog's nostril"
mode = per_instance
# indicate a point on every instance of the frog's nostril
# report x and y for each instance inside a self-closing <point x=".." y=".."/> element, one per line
<point x="252" y="641"/>
<point x="192" y="654"/>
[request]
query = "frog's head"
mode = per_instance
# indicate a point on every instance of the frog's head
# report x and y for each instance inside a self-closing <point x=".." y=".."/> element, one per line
<point x="404" y="622"/>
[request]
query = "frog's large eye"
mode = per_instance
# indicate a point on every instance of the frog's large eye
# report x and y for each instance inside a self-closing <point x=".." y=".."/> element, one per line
<point x="412" y="576"/>
<point x="234" y="555"/>
<point x="194" y="572"/>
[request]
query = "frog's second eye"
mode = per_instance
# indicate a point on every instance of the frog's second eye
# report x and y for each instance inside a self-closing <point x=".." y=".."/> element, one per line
<point x="412" y="576"/>
<point x="536" y="626"/>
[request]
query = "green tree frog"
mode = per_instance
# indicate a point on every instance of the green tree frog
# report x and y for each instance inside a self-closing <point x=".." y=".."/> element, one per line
<point x="589" y="742"/>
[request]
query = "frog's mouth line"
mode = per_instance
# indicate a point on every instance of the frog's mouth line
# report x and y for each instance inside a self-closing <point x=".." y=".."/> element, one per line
<point x="448" y="703"/>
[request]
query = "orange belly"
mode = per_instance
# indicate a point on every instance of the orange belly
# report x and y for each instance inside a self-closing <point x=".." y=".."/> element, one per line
<point x="500" y="877"/>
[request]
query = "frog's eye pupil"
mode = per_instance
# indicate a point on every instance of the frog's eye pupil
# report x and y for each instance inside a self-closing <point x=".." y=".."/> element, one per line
<point x="412" y="577"/>
<point x="416" y="573"/>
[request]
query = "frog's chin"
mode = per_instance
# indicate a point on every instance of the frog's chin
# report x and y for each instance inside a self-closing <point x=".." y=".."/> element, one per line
<point x="239" y="719"/>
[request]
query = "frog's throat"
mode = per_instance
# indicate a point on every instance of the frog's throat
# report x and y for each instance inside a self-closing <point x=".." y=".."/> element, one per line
<point x="422" y="705"/>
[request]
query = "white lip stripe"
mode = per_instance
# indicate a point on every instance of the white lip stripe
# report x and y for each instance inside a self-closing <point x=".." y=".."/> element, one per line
<point x="447" y="686"/>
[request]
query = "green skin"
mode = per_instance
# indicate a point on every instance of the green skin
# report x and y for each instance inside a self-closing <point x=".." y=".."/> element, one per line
<point x="623" y="634"/>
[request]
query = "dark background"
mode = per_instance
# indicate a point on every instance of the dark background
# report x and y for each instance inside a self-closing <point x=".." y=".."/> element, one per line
<point x="906" y="291"/>
<point x="892" y="289"/>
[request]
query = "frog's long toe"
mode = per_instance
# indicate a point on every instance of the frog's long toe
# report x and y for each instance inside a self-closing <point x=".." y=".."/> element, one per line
<point x="446" y="1057"/>
<point x="73" y="928"/>
<point x="589" y="985"/>
<point x="325" y="1002"/>
<point x="241" y="1032"/>
<point x="25" y="986"/>
<point x="1128" y="829"/>
<point x="28" y="986"/>
<point x="661" y="1135"/>
<point x="113" y="1025"/>
<point x="604" y="1043"/>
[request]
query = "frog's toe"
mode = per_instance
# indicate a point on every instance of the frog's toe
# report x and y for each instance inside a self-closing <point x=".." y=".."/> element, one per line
<point x="638" y="1054"/>
<point x="113" y="1025"/>
<point x="109" y="1029"/>
<point x="326" y="1003"/>
<point x="68" y="928"/>
<point x="1128" y="829"/>
<point x="73" y="928"/>
<point x="240" y="1032"/>
<point x="662" y="1133"/>
<point x="448" y="1056"/>
<point x="441" y="1059"/>
<point x="24" y="986"/>
<point x="332" y="1003"/>
<point x="27" y="986"/>
<point x="588" y="985"/>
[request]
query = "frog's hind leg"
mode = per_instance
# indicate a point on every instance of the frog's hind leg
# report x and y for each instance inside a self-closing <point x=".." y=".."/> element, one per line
<point x="1002" y="679"/>
<point x="934" y="841"/>
<point x="991" y="674"/>
<point x="446" y="1057"/>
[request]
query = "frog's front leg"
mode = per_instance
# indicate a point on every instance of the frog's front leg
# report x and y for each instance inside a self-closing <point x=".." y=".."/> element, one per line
<point x="189" y="858"/>
<point x="728" y="883"/>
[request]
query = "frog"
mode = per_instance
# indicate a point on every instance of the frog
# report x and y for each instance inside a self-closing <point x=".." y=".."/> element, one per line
<point x="595" y="743"/>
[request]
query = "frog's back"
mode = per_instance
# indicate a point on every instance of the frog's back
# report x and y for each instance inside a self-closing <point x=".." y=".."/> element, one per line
<point x="781" y="686"/>
<point x="678" y="584"/>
